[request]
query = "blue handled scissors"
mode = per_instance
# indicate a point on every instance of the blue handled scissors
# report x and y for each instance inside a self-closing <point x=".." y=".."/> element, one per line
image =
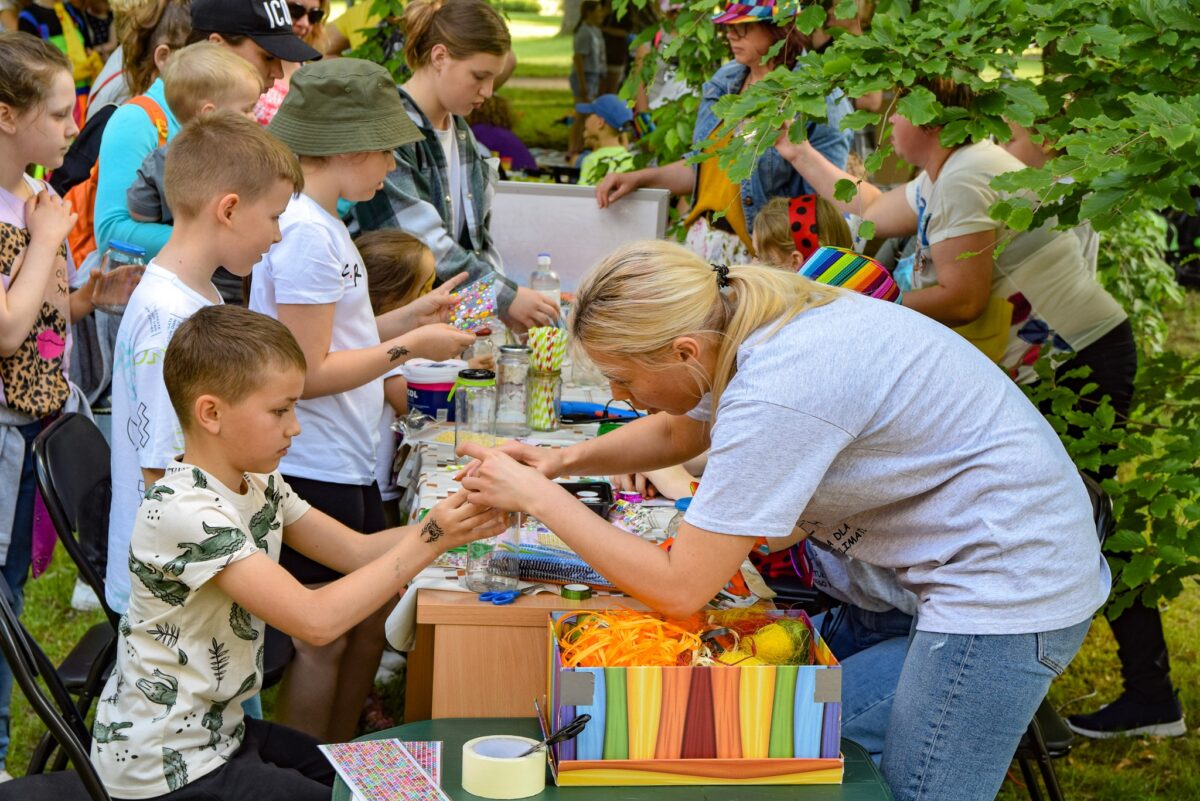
<point x="500" y="598"/>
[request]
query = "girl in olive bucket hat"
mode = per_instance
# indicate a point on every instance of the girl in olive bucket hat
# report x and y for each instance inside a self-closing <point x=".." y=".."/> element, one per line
<point x="342" y="117"/>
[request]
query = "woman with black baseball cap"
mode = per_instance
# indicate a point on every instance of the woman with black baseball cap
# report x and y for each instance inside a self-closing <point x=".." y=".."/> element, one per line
<point x="260" y="32"/>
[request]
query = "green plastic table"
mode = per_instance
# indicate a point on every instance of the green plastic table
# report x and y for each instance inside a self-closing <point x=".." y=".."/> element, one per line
<point x="862" y="780"/>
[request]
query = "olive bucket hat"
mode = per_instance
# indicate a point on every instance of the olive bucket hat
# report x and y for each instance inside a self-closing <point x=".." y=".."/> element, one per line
<point x="342" y="105"/>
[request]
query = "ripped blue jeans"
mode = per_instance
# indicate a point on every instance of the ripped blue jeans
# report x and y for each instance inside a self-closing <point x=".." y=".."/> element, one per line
<point x="961" y="706"/>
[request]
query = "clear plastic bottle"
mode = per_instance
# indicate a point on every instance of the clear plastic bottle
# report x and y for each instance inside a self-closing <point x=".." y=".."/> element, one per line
<point x="493" y="565"/>
<point x="545" y="280"/>
<point x="113" y="291"/>
<point x="681" y="507"/>
<point x="512" y="391"/>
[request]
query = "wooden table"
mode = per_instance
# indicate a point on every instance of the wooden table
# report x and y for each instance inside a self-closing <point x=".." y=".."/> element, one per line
<point x="490" y="660"/>
<point x="862" y="781"/>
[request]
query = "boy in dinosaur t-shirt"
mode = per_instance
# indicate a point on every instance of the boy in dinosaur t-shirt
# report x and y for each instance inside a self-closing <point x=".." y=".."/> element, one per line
<point x="206" y="578"/>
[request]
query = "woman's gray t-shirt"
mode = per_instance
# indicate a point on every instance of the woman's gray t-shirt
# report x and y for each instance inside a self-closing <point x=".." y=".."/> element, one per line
<point x="893" y="440"/>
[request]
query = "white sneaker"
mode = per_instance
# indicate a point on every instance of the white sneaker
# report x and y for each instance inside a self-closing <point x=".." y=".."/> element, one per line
<point x="5" y="776"/>
<point x="83" y="598"/>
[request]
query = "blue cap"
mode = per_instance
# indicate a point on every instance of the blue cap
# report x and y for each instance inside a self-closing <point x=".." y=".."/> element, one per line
<point x="125" y="247"/>
<point x="609" y="108"/>
<point x="682" y="504"/>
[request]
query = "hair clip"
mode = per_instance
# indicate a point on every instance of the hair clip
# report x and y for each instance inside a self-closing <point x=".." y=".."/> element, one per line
<point x="722" y="272"/>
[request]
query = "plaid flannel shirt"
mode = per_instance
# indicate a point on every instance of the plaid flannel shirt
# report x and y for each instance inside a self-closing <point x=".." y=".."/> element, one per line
<point x="416" y="199"/>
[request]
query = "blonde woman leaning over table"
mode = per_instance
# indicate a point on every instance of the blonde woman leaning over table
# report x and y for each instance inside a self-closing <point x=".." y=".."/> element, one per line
<point x="845" y="418"/>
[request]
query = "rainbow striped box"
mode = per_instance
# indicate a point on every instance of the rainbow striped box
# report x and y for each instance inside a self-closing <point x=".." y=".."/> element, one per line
<point x="656" y="726"/>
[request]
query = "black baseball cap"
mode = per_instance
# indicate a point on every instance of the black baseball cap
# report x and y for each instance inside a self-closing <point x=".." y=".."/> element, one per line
<point x="267" y="22"/>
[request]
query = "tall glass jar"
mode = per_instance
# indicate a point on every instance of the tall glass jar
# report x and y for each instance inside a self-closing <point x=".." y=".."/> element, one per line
<point x="474" y="409"/>
<point x="121" y="269"/>
<point x="545" y="400"/>
<point x="493" y="565"/>
<point x="512" y="391"/>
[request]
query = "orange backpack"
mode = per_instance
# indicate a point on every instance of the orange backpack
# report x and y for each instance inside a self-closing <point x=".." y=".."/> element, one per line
<point x="82" y="238"/>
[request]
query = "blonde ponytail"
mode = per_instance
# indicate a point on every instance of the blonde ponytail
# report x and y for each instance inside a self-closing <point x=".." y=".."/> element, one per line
<point x="464" y="27"/>
<point x="637" y="301"/>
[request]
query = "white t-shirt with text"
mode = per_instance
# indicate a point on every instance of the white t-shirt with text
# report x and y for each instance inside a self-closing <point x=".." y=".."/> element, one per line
<point x="317" y="263"/>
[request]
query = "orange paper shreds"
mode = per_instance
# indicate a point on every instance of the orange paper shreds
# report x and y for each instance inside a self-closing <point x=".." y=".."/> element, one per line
<point x="625" y="638"/>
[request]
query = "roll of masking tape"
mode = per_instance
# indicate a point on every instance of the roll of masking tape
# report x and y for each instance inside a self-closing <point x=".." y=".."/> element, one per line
<point x="576" y="592"/>
<point x="491" y="767"/>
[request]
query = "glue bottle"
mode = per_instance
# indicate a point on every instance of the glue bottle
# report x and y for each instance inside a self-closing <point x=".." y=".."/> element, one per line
<point x="545" y="280"/>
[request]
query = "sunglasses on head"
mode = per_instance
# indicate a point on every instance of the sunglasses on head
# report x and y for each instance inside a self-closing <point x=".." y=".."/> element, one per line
<point x="297" y="11"/>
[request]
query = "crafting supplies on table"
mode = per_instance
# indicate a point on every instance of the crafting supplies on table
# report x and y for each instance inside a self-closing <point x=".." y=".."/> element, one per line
<point x="668" y="708"/>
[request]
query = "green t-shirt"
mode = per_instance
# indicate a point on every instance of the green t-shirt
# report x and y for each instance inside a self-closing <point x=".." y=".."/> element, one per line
<point x="601" y="161"/>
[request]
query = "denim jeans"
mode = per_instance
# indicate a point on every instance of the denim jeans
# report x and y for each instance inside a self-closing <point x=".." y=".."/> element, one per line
<point x="16" y="570"/>
<point x="871" y="647"/>
<point x="962" y="704"/>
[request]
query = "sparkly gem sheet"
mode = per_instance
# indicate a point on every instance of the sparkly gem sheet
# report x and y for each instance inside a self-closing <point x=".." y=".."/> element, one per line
<point x="384" y="770"/>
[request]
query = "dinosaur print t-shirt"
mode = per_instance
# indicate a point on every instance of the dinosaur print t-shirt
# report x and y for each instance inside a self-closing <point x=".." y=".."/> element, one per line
<point x="187" y="654"/>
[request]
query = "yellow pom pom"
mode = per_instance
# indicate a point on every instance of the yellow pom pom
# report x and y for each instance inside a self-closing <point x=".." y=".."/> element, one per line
<point x="772" y="644"/>
<point x="740" y="659"/>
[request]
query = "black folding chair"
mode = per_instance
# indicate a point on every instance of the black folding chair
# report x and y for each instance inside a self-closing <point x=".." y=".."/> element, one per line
<point x="56" y="710"/>
<point x="1048" y="737"/>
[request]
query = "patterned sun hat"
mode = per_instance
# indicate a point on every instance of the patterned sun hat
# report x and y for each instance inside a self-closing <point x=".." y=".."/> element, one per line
<point x="756" y="11"/>
<point x="854" y="271"/>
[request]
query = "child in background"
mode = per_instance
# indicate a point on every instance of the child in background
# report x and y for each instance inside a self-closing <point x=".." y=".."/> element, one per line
<point x="101" y="32"/>
<point x="788" y="231"/>
<point x="441" y="189"/>
<point x="228" y="181"/>
<point x="342" y="117"/>
<point x="199" y="79"/>
<point x="605" y="133"/>
<point x="64" y="26"/>
<point x="205" y="550"/>
<point x="400" y="269"/>
<point x="492" y="124"/>
<point x="589" y="65"/>
<point x="37" y="95"/>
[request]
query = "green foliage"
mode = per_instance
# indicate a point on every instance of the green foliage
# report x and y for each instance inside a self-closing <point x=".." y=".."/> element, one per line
<point x="1156" y="498"/>
<point x="384" y="44"/>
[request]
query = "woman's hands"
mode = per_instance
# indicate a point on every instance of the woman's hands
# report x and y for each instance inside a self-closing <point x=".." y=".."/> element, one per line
<point x="531" y="309"/>
<point x="498" y="480"/>
<point x="456" y="521"/>
<point x="790" y="150"/>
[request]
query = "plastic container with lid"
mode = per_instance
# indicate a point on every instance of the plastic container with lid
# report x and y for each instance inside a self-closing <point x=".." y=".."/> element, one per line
<point x="429" y="385"/>
<point x="545" y="280"/>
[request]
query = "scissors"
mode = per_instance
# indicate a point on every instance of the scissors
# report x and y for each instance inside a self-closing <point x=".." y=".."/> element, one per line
<point x="500" y="598"/>
<point x="566" y="732"/>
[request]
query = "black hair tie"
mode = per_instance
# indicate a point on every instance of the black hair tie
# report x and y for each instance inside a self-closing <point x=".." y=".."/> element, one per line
<point x="722" y="272"/>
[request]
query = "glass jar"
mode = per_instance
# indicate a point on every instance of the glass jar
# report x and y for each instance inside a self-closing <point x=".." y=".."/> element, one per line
<point x="493" y="565"/>
<point x="512" y="391"/>
<point x="545" y="400"/>
<point x="121" y="269"/>
<point x="474" y="396"/>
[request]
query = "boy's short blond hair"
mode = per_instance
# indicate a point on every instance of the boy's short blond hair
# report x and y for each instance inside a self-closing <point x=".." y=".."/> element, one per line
<point x="204" y="72"/>
<point x="224" y="351"/>
<point x="224" y="153"/>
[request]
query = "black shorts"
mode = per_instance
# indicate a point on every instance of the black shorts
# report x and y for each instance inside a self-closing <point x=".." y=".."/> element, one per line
<point x="356" y="507"/>
<point x="274" y="763"/>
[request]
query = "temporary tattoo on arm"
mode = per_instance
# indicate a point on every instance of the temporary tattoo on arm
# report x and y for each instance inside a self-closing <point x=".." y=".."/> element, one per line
<point x="431" y="531"/>
<point x="397" y="352"/>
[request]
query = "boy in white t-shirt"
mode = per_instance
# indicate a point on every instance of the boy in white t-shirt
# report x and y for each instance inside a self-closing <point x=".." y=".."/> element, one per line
<point x="342" y="117"/>
<point x="227" y="181"/>
<point x="204" y="556"/>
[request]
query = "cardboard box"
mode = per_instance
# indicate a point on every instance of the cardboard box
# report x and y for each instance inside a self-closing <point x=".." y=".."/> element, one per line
<point x="698" y="725"/>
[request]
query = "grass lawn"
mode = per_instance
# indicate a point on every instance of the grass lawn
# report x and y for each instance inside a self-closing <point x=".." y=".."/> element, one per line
<point x="541" y="52"/>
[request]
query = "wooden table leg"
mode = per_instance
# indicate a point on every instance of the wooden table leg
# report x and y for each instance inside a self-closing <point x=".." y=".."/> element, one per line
<point x="418" y="684"/>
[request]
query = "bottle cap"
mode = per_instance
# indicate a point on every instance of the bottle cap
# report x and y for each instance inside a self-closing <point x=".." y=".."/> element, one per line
<point x="125" y="247"/>
<point x="682" y="504"/>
